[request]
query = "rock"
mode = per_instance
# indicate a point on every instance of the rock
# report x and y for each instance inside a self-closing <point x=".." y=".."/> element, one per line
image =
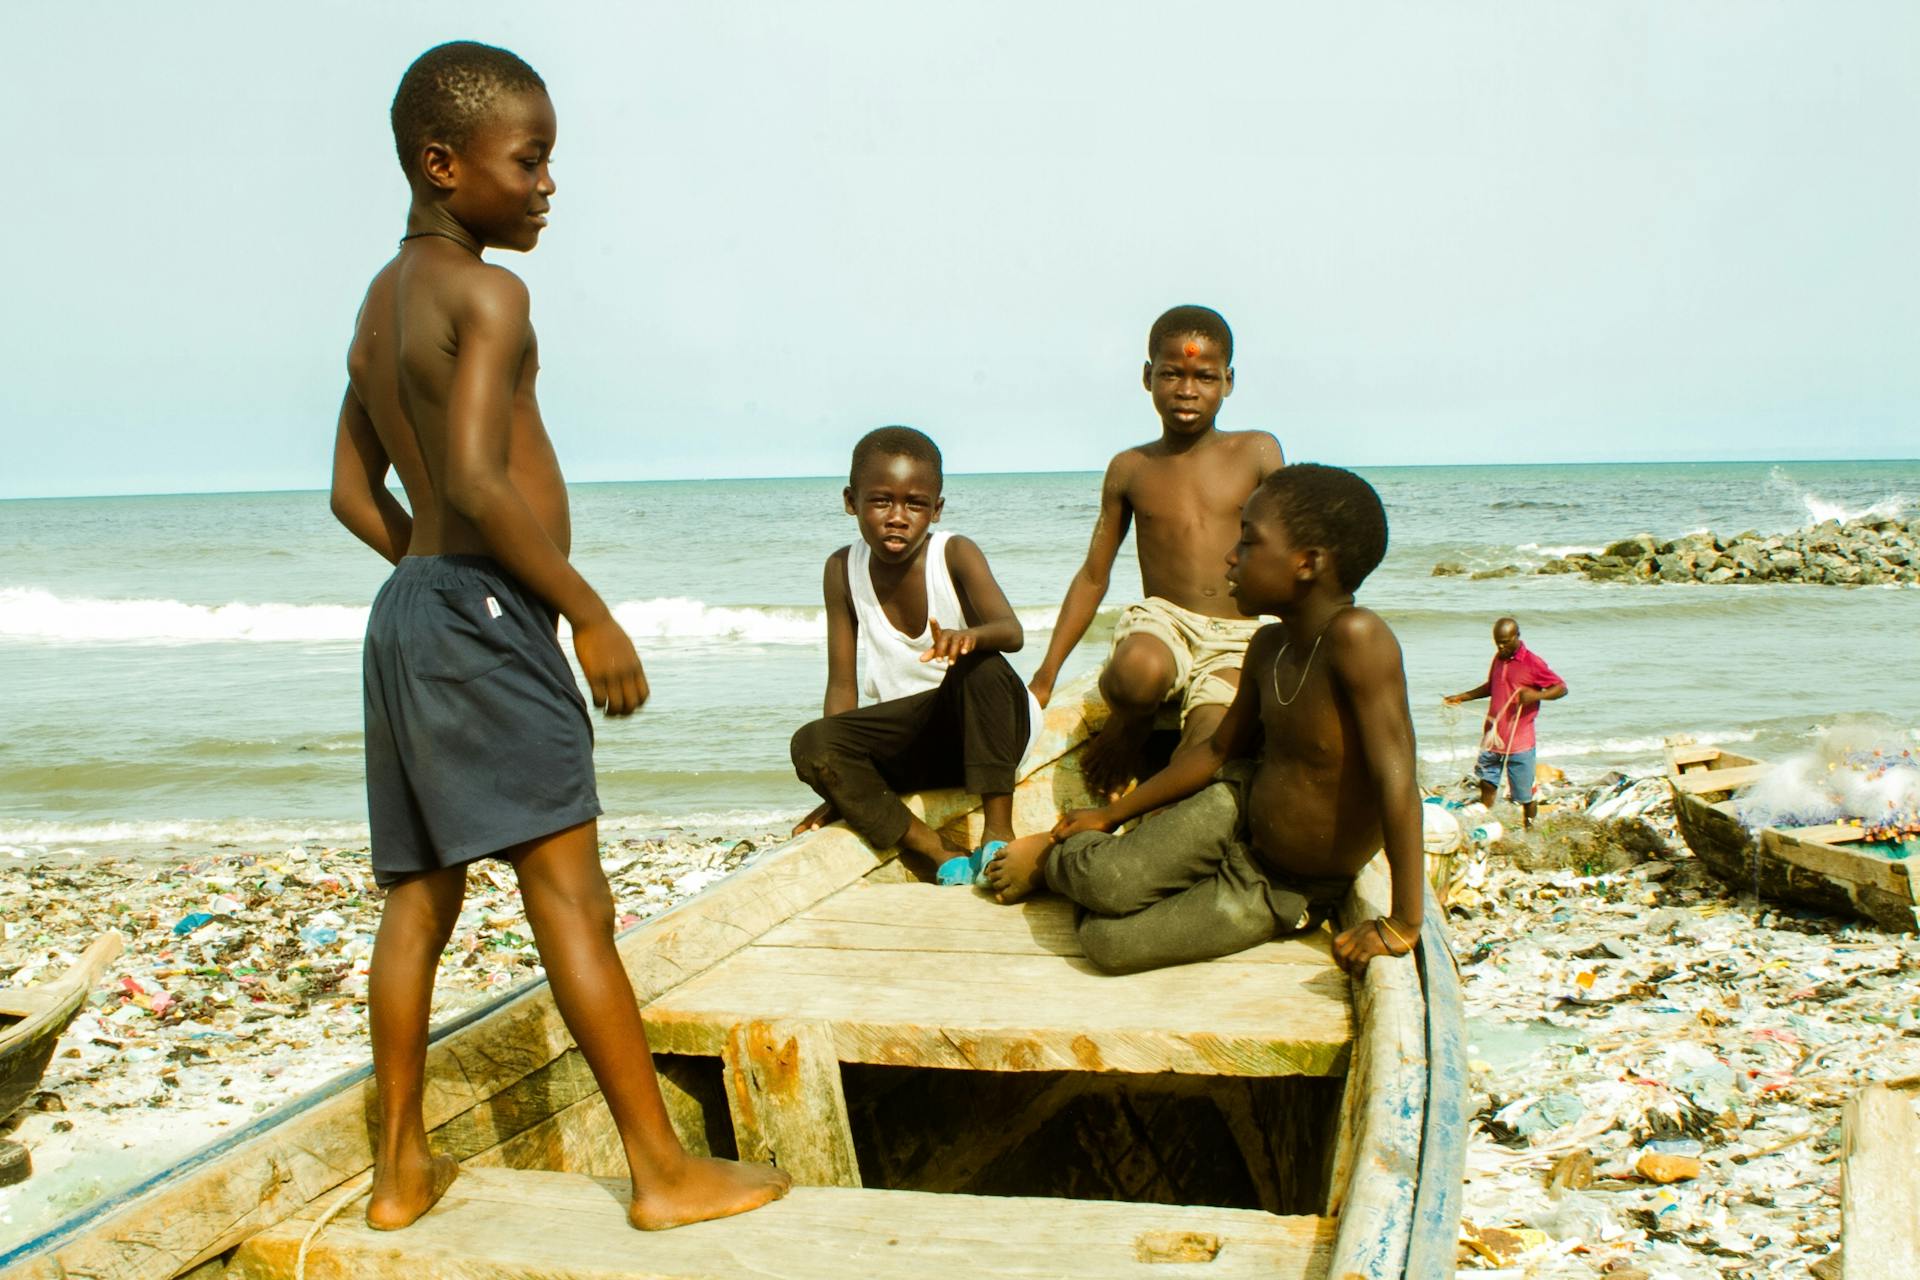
<point x="1724" y="573"/>
<point x="1639" y="546"/>
<point x="1675" y="567"/>
<point x="1567" y="565"/>
<point x="16" y="1163"/>
<point x="1697" y="542"/>
<point x="1448" y="569"/>
<point x="1504" y="571"/>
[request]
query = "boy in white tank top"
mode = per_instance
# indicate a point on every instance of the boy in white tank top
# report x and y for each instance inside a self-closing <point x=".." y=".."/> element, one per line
<point x="916" y="626"/>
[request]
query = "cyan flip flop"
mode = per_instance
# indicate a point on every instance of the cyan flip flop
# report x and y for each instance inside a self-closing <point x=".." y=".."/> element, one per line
<point x="956" y="871"/>
<point x="980" y="857"/>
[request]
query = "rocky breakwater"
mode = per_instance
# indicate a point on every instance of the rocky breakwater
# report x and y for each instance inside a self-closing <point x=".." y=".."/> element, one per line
<point x="1857" y="553"/>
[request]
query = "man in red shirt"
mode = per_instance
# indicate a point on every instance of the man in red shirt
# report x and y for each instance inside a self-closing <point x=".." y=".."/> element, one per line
<point x="1517" y="683"/>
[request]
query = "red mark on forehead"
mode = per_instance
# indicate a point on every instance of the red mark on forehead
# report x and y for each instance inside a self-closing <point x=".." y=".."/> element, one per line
<point x="1193" y="349"/>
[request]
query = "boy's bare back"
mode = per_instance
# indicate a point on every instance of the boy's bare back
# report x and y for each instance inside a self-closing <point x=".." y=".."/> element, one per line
<point x="1184" y="505"/>
<point x="407" y="373"/>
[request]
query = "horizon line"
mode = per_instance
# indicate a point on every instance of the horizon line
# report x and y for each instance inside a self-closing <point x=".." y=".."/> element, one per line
<point x="1043" y="471"/>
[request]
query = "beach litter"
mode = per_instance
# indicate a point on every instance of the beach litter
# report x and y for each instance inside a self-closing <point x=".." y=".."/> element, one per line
<point x="1658" y="1066"/>
<point x="243" y="984"/>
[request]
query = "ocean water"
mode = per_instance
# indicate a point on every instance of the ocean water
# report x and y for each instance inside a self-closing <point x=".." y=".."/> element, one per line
<point x="185" y="670"/>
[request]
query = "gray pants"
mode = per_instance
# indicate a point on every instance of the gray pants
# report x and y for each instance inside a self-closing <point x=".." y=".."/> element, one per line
<point x="1183" y="885"/>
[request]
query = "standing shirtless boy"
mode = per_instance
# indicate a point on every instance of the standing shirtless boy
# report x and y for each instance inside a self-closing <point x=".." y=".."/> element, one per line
<point x="478" y="742"/>
<point x="1272" y="844"/>
<point x="1186" y="639"/>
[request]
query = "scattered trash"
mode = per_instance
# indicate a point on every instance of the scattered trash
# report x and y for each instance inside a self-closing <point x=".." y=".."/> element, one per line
<point x="243" y="984"/>
<point x="1665" y="1063"/>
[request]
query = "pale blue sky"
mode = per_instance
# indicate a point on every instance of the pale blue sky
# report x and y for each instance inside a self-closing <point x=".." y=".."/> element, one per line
<point x="1531" y="231"/>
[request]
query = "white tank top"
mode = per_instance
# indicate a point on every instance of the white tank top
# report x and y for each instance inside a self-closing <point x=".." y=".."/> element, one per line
<point x="890" y="665"/>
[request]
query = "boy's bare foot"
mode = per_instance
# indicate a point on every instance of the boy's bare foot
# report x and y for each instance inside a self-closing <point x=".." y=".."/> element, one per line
<point x="1015" y="873"/>
<point x="706" y="1189"/>
<point x="402" y="1191"/>
<point x="1112" y="757"/>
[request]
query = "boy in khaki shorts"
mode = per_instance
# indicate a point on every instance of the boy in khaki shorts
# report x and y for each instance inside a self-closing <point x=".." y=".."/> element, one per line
<point x="1185" y="490"/>
<point x="1206" y="651"/>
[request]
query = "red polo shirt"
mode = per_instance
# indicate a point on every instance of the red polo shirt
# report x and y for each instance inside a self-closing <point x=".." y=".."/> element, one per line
<point x="1509" y="728"/>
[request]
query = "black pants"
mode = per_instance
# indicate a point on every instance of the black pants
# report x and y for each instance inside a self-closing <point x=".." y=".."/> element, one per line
<point x="972" y="730"/>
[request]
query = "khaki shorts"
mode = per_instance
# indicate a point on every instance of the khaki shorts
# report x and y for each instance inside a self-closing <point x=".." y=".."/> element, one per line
<point x="1202" y="648"/>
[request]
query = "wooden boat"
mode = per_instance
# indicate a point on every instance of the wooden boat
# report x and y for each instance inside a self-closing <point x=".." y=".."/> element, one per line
<point x="32" y="1018"/>
<point x="951" y="1084"/>
<point x="1829" y="867"/>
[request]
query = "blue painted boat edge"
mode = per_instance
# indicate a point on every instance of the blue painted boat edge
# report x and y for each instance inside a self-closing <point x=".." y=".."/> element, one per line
<point x="1443" y="1150"/>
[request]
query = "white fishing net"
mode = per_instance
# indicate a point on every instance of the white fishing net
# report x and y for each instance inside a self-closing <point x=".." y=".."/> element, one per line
<point x="1856" y="773"/>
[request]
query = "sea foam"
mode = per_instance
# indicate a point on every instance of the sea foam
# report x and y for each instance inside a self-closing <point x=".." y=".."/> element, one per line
<point x="28" y="613"/>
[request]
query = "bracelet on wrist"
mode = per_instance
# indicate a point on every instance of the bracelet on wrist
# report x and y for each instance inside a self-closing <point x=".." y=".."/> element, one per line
<point x="1382" y="928"/>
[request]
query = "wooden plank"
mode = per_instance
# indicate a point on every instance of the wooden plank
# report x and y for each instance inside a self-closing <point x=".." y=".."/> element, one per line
<point x="1383" y="1162"/>
<point x="1879" y="1186"/>
<point x="1827" y="833"/>
<point x="580" y="1138"/>
<point x="1681" y="757"/>
<point x="783" y="1090"/>
<point x="1708" y="781"/>
<point x="1026" y="1013"/>
<point x="496" y="1224"/>
<point x="30" y="1002"/>
<point x="871" y="916"/>
<point x="1851" y="868"/>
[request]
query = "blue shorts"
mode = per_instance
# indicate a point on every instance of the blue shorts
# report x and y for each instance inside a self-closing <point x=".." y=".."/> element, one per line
<point x="1519" y="773"/>
<point x="477" y="736"/>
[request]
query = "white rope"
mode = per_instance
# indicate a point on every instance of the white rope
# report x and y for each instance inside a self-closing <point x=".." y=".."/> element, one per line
<point x="346" y="1198"/>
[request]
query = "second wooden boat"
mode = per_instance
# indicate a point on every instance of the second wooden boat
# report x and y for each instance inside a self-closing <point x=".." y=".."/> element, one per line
<point x="32" y="1018"/>
<point x="1830" y="867"/>
<point x="950" y="1082"/>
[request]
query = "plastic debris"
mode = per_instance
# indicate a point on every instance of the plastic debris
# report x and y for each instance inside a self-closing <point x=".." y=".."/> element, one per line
<point x="1658" y="1063"/>
<point x="242" y="986"/>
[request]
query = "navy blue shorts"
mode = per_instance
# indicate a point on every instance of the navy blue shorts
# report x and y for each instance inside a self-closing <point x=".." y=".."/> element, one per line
<point x="1519" y="773"/>
<point x="477" y="736"/>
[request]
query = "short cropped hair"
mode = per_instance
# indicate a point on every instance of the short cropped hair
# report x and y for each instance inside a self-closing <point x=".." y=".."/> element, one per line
<point x="448" y="91"/>
<point x="1190" y="319"/>
<point x="894" y="442"/>
<point x="1328" y="507"/>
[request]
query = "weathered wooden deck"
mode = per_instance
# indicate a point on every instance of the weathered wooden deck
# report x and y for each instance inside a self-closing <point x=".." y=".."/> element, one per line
<point x="497" y="1223"/>
<point x="899" y="974"/>
<point x="914" y="975"/>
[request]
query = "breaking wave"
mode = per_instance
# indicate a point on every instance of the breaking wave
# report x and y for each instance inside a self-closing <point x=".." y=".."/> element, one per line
<point x="1820" y="509"/>
<point x="27" y="613"/>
